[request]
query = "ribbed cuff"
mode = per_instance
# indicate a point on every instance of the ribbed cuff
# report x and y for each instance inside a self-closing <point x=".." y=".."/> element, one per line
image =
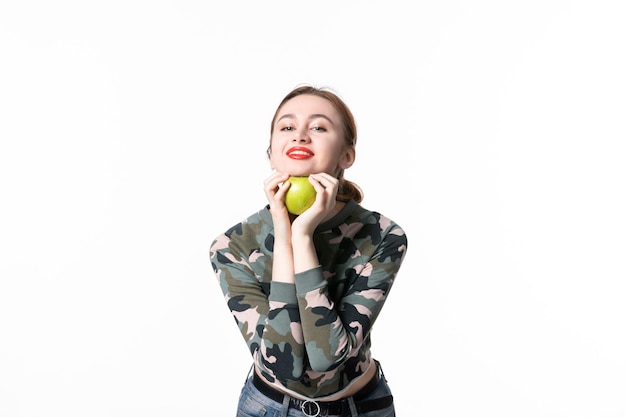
<point x="309" y="280"/>
<point x="283" y="292"/>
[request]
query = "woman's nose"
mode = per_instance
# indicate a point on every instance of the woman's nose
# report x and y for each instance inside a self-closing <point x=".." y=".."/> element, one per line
<point x="301" y="137"/>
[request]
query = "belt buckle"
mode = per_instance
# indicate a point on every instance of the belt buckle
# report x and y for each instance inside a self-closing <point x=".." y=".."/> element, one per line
<point x="307" y="408"/>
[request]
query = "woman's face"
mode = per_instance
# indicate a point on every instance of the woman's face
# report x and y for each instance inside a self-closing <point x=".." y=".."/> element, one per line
<point x="308" y="138"/>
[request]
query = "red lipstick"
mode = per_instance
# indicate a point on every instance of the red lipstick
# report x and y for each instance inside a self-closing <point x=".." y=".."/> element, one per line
<point x="299" y="152"/>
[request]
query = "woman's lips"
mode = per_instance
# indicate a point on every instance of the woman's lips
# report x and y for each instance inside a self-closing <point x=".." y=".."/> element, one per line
<point x="299" y="152"/>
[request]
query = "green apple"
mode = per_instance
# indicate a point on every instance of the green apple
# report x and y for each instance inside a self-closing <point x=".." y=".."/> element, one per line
<point x="300" y="195"/>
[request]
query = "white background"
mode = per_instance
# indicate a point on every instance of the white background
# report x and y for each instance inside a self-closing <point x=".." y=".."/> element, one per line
<point x="133" y="132"/>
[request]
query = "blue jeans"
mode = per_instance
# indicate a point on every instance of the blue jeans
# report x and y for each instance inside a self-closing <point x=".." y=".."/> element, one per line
<point x="253" y="403"/>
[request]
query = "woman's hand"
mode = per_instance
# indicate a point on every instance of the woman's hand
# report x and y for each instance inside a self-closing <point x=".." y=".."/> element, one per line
<point x="275" y="186"/>
<point x="294" y="250"/>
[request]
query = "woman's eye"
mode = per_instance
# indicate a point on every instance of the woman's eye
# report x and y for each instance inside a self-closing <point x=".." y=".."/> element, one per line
<point x="319" y="128"/>
<point x="287" y="128"/>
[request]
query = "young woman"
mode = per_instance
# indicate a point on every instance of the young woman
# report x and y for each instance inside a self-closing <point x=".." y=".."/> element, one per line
<point x="305" y="290"/>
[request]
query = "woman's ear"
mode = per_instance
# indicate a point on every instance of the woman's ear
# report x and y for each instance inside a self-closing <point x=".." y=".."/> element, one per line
<point x="348" y="158"/>
<point x="269" y="157"/>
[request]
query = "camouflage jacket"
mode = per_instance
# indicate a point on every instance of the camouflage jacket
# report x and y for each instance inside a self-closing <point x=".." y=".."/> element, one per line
<point x="311" y="337"/>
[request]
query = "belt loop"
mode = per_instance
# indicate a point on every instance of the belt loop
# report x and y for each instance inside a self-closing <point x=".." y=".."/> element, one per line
<point x="380" y="370"/>
<point x="249" y="372"/>
<point x="352" y="406"/>
<point x="285" y="410"/>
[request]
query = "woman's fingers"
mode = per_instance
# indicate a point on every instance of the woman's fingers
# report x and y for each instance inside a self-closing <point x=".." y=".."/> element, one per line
<point x="325" y="184"/>
<point x="275" y="187"/>
<point x="272" y="184"/>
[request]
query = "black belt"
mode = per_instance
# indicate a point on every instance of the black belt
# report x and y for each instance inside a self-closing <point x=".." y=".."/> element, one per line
<point x="324" y="408"/>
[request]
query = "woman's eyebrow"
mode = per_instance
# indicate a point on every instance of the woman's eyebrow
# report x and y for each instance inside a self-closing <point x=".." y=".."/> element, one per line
<point x="312" y="116"/>
<point x="323" y="116"/>
<point x="286" y="116"/>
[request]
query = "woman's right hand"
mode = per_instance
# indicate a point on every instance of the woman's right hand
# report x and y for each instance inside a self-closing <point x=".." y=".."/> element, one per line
<point x="275" y="186"/>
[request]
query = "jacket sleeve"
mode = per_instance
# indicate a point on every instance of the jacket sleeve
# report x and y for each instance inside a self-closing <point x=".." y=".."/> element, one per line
<point x="334" y="331"/>
<point x="267" y="314"/>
